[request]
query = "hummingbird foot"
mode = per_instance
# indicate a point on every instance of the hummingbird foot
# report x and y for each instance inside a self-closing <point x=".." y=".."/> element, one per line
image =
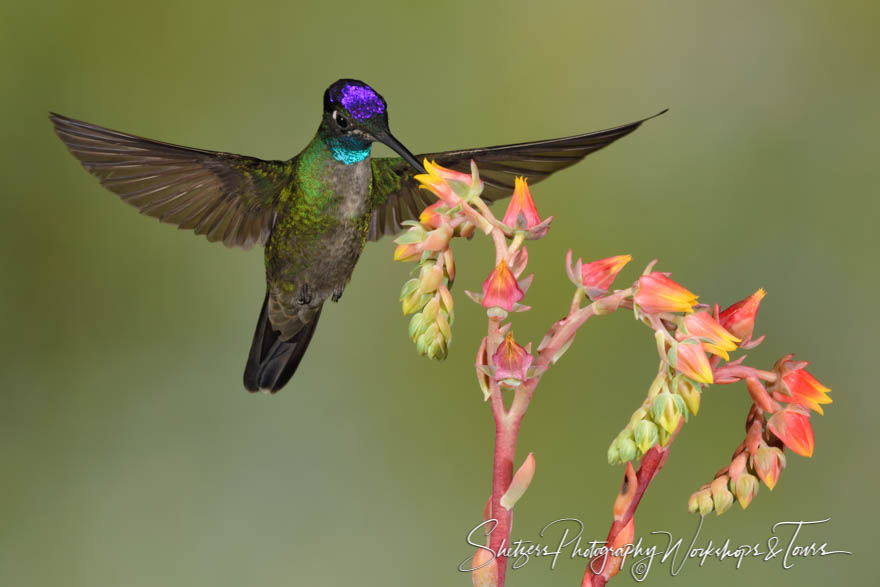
<point x="305" y="295"/>
<point x="337" y="293"/>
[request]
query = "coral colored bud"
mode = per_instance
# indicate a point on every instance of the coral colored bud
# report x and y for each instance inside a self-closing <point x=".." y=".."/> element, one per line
<point x="657" y="293"/>
<point x="405" y="253"/>
<point x="738" y="466"/>
<point x="768" y="462"/>
<point x="437" y="239"/>
<point x="745" y="488"/>
<point x="792" y="427"/>
<point x="689" y="359"/>
<point x="431" y="217"/>
<point x="806" y="390"/>
<point x="598" y="276"/>
<point x="722" y="498"/>
<point x="739" y="319"/>
<point x="437" y="180"/>
<point x="521" y="481"/>
<point x="447" y="174"/>
<point x="501" y="289"/>
<point x="485" y="573"/>
<point x="521" y="212"/>
<point x="511" y="360"/>
<point x="716" y="339"/>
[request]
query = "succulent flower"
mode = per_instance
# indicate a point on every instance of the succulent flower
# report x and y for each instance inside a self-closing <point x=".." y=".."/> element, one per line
<point x="501" y="288"/>
<point x="511" y="362"/>
<point x="739" y="319"/>
<point x="746" y="488"/>
<point x="598" y="276"/>
<point x="792" y="426"/>
<point x="800" y="386"/>
<point x="657" y="293"/>
<point x="768" y="462"/>
<point x="521" y="212"/>
<point x="715" y="338"/>
<point x="689" y="359"/>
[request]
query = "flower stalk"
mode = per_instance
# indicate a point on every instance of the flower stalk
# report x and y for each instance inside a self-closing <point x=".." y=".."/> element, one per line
<point x="694" y="344"/>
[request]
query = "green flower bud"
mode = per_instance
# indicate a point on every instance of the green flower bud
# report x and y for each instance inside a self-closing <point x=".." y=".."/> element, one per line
<point x="645" y="435"/>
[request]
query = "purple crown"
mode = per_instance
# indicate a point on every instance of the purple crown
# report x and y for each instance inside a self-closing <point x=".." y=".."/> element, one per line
<point x="358" y="98"/>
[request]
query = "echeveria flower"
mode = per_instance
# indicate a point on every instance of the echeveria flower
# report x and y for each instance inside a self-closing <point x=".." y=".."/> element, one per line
<point x="511" y="360"/>
<point x="599" y="275"/>
<point x="718" y="341"/>
<point x="739" y="319"/>
<point x="657" y="293"/>
<point x="805" y="389"/>
<point x="690" y="360"/>
<point x="792" y="427"/>
<point x="521" y="212"/>
<point x="501" y="289"/>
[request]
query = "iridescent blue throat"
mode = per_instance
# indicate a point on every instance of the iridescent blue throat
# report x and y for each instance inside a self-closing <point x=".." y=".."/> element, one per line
<point x="348" y="150"/>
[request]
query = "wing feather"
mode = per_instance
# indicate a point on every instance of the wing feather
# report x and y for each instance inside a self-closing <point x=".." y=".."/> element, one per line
<point x="397" y="197"/>
<point x="227" y="197"/>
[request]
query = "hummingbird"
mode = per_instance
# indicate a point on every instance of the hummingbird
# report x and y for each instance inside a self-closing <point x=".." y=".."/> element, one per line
<point x="313" y="212"/>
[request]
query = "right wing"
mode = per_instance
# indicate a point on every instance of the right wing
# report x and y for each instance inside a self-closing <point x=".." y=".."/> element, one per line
<point x="397" y="196"/>
<point x="226" y="197"/>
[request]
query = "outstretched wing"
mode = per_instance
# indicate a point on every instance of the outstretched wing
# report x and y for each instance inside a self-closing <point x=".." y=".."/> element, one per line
<point x="226" y="197"/>
<point x="397" y="196"/>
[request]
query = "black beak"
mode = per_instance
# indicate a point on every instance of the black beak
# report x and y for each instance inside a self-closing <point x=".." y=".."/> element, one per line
<point x="387" y="138"/>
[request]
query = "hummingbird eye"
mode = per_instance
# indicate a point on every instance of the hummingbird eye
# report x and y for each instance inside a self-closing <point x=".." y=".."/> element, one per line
<point x="340" y="119"/>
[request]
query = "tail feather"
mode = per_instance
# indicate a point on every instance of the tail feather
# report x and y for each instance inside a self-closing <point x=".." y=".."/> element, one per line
<point x="272" y="362"/>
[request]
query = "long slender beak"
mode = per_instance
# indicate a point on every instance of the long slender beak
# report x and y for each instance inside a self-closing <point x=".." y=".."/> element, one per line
<point x="387" y="138"/>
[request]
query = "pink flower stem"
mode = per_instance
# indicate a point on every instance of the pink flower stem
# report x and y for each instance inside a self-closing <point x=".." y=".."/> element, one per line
<point x="507" y="422"/>
<point x="506" y="432"/>
<point x="737" y="372"/>
<point x="596" y="573"/>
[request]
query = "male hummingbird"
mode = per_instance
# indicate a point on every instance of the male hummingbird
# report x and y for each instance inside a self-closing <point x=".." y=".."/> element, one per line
<point x="313" y="212"/>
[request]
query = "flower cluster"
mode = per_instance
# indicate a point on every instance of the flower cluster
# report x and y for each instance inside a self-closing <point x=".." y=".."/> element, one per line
<point x="779" y="419"/>
<point x="427" y="242"/>
<point x="684" y="336"/>
<point x="694" y="342"/>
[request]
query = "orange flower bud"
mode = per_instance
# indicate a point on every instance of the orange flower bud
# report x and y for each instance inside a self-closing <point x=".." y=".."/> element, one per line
<point x="501" y="289"/>
<point x="430" y="217"/>
<point x="690" y="360"/>
<point x="805" y="389"/>
<point x="657" y="293"/>
<point x="792" y="427"/>
<point x="599" y="275"/>
<point x="521" y="212"/>
<point x="739" y="319"/>
<point x="768" y="462"/>
<point x="704" y="326"/>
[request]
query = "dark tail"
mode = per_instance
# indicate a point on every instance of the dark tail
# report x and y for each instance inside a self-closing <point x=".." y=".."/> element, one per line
<point x="272" y="362"/>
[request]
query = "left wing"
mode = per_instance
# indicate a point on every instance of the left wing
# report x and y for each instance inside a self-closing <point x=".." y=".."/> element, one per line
<point x="397" y="196"/>
<point x="227" y="197"/>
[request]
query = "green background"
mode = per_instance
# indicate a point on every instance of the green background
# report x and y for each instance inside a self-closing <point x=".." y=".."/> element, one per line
<point x="130" y="453"/>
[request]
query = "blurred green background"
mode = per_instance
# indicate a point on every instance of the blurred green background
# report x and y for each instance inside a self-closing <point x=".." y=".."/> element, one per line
<point x="132" y="456"/>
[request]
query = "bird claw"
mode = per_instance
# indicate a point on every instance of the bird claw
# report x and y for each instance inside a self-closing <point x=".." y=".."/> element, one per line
<point x="337" y="293"/>
<point x="305" y="294"/>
